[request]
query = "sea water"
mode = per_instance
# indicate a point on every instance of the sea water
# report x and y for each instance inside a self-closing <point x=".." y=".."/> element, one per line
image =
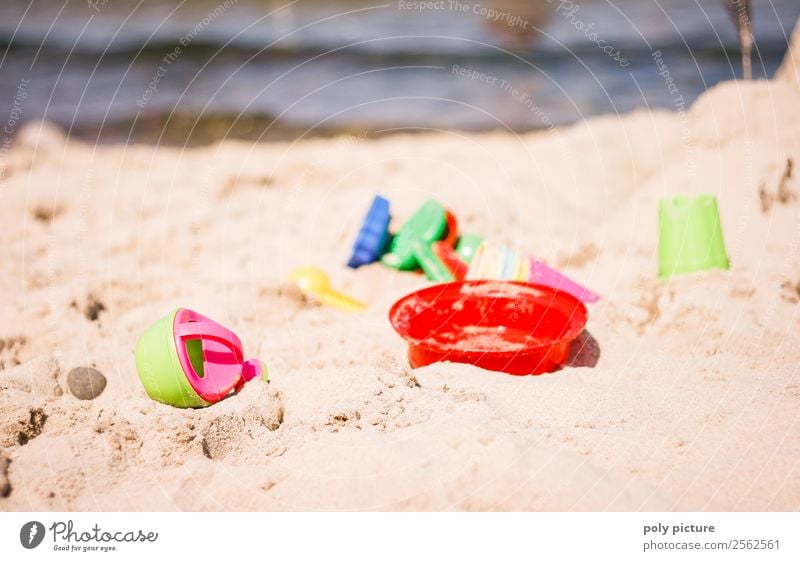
<point x="153" y="71"/>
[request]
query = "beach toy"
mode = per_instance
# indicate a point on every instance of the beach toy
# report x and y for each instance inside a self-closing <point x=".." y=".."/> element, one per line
<point x="188" y="360"/>
<point x="515" y="265"/>
<point x="514" y="327"/>
<point x="451" y="229"/>
<point x="373" y="236"/>
<point x="428" y="224"/>
<point x="486" y="262"/>
<point x="501" y="263"/>
<point x="315" y="283"/>
<point x="468" y="244"/>
<point x="542" y="274"/>
<point x="449" y="258"/>
<point x="689" y="236"/>
<point x="433" y="267"/>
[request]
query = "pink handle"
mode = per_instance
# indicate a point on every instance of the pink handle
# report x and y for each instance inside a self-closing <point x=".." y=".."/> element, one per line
<point x="223" y="368"/>
<point x="542" y="274"/>
<point x="212" y="331"/>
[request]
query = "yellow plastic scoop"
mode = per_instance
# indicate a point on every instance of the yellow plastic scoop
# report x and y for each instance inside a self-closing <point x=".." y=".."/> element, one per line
<point x="315" y="283"/>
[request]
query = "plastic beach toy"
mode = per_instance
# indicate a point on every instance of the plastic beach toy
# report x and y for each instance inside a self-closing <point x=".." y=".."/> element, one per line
<point x="448" y="256"/>
<point x="427" y="225"/>
<point x="542" y="274"/>
<point x="373" y="236"/>
<point x="188" y="360"/>
<point x="315" y="283"/>
<point x="501" y="263"/>
<point x="435" y="269"/>
<point x="690" y="236"/>
<point x="451" y="229"/>
<point x="468" y="245"/>
<point x="514" y="327"/>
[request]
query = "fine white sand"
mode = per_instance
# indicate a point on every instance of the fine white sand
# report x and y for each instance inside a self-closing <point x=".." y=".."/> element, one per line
<point x="694" y="402"/>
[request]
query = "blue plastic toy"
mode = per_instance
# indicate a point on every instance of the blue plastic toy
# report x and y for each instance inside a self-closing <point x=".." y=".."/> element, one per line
<point x="373" y="237"/>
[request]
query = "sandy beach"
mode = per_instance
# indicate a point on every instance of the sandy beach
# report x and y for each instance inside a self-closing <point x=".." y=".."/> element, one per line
<point x="686" y="395"/>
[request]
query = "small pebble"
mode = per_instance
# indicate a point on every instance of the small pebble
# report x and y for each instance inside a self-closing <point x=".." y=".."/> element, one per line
<point x="85" y="382"/>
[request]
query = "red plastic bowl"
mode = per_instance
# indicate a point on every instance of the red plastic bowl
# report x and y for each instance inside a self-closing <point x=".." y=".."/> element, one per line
<point x="514" y="327"/>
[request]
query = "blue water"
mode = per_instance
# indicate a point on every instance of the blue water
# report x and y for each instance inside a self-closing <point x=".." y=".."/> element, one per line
<point x="262" y="69"/>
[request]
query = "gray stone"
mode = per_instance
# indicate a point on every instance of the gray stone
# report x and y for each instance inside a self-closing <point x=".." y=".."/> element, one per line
<point x="85" y="382"/>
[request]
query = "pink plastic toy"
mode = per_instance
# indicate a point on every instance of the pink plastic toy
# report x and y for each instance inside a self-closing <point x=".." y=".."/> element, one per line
<point x="188" y="360"/>
<point x="224" y="368"/>
<point x="542" y="274"/>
